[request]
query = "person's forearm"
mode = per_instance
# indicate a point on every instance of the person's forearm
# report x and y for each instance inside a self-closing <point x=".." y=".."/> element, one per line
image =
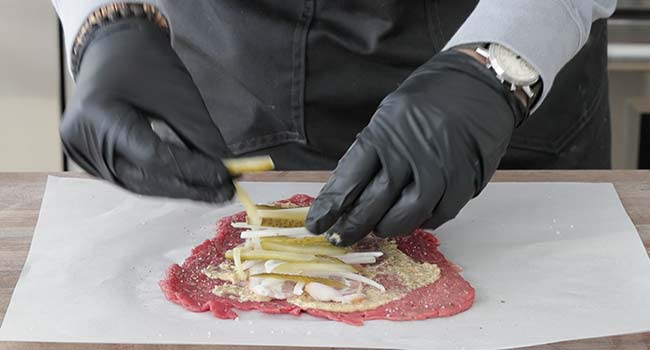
<point x="545" y="33"/>
<point x="73" y="14"/>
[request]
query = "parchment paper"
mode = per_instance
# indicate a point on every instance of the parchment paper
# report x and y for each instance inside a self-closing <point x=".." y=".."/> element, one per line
<point x="549" y="261"/>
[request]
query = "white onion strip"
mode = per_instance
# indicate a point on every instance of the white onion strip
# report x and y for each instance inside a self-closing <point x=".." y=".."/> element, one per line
<point x="298" y="288"/>
<point x="236" y="254"/>
<point x="257" y="244"/>
<point x="249" y="226"/>
<point x="351" y="298"/>
<point x="255" y="270"/>
<point x="289" y="232"/>
<point x="355" y="254"/>
<point x="351" y="276"/>
<point x="270" y="265"/>
<point x="248" y="264"/>
<point x="359" y="257"/>
<point x="357" y="260"/>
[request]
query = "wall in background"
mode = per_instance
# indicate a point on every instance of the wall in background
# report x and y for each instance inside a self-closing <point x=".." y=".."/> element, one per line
<point x="629" y="81"/>
<point x="29" y="87"/>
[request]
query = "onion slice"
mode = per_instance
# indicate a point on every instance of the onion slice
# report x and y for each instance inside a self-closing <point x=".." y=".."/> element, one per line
<point x="255" y="270"/>
<point x="359" y="257"/>
<point x="249" y="226"/>
<point x="373" y="254"/>
<point x="322" y="292"/>
<point x="354" y="277"/>
<point x="292" y="232"/>
<point x="270" y="265"/>
<point x="249" y="263"/>
<point x="256" y="243"/>
<point x="236" y="255"/>
<point x="298" y="288"/>
<point x="299" y="278"/>
<point x="357" y="260"/>
<point x="352" y="298"/>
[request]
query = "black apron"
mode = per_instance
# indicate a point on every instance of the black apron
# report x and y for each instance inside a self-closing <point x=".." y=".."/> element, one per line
<point x="298" y="79"/>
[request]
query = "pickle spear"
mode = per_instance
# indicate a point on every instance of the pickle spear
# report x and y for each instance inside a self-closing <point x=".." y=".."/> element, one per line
<point x="237" y="259"/>
<point x="252" y="215"/>
<point x="263" y="215"/>
<point x="239" y="166"/>
<point x="315" y="240"/>
<point x="282" y="217"/>
<point x="304" y="279"/>
<point x="304" y="268"/>
<point x="272" y="255"/>
<point x="248" y="165"/>
<point x="307" y="249"/>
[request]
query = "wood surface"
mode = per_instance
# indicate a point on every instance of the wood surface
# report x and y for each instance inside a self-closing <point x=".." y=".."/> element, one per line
<point x="21" y="195"/>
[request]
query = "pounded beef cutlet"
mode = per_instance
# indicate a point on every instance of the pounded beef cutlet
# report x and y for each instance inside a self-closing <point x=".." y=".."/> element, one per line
<point x="189" y="287"/>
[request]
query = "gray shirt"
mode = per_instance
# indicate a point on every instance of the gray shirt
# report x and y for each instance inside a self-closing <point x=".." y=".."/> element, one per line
<point x="547" y="33"/>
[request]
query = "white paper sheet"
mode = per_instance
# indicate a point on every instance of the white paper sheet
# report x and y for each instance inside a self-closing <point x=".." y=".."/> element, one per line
<point x="549" y="262"/>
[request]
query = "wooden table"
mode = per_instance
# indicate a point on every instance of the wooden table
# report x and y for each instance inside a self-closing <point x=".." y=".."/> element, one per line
<point x="21" y="194"/>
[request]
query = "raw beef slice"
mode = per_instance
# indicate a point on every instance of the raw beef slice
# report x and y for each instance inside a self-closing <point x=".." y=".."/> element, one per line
<point x="187" y="286"/>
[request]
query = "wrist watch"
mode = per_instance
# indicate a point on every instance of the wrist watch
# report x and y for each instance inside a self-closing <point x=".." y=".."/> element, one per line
<point x="512" y="70"/>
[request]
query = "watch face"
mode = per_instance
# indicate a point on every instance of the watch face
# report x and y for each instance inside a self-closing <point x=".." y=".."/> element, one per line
<point x="515" y="69"/>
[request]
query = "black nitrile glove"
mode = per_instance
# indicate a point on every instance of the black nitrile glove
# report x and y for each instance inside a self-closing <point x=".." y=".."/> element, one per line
<point x="432" y="145"/>
<point x="129" y="76"/>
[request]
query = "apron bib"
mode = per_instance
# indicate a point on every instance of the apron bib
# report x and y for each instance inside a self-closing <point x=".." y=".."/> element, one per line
<point x="298" y="79"/>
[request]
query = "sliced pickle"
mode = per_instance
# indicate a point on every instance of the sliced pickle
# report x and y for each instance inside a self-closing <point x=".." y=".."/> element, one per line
<point x="272" y="212"/>
<point x="305" y="249"/>
<point x="330" y="259"/>
<point x="290" y="217"/>
<point x="252" y="215"/>
<point x="247" y="165"/>
<point x="313" y="267"/>
<point x="278" y="205"/>
<point x="316" y="240"/>
<point x="240" y="166"/>
<point x="272" y="255"/>
<point x="304" y="279"/>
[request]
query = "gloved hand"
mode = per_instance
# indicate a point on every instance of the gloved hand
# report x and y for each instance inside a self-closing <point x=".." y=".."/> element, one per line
<point x="129" y="76"/>
<point x="431" y="146"/>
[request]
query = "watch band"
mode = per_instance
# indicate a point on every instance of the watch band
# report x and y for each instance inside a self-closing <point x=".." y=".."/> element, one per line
<point x="527" y="88"/>
<point x="109" y="14"/>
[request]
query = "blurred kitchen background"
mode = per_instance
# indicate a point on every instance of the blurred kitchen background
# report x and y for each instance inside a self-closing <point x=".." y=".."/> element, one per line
<point x="34" y="85"/>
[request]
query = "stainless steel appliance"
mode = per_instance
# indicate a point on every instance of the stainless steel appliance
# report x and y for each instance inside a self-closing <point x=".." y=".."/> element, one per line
<point x="629" y="79"/>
